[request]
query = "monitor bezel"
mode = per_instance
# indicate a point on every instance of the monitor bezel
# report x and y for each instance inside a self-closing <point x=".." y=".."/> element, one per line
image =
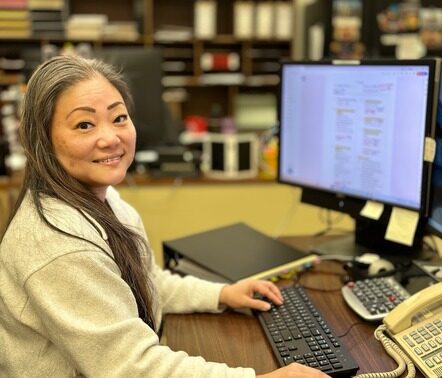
<point x="434" y="227"/>
<point x="350" y="203"/>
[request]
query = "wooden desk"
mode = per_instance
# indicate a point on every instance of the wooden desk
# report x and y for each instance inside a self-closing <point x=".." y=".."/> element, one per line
<point x="238" y="340"/>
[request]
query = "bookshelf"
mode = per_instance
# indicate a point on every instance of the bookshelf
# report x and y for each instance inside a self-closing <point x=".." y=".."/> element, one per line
<point x="211" y="50"/>
<point x="223" y="55"/>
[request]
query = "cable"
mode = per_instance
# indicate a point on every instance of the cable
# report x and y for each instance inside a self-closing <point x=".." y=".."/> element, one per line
<point x="318" y="289"/>
<point x="394" y="352"/>
<point x="297" y="279"/>
<point x="350" y="328"/>
<point x="329" y="221"/>
<point x="341" y="231"/>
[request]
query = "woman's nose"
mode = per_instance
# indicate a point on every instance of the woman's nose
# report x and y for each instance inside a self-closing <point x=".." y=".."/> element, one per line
<point x="108" y="136"/>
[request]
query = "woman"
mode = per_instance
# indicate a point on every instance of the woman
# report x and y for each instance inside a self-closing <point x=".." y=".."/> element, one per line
<point x="80" y="292"/>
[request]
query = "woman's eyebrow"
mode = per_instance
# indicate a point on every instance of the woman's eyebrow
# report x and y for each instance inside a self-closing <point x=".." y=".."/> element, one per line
<point x="116" y="103"/>
<point x="85" y="108"/>
<point x="92" y="110"/>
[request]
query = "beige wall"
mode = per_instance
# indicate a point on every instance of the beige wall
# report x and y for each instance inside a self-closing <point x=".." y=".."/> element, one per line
<point x="171" y="211"/>
<point x="177" y="210"/>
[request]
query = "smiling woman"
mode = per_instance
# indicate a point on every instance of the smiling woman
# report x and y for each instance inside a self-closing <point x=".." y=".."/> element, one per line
<point x="67" y="99"/>
<point x="94" y="143"/>
<point x="81" y="294"/>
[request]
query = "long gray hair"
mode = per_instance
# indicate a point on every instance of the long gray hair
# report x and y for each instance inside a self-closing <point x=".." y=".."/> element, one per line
<point x="44" y="175"/>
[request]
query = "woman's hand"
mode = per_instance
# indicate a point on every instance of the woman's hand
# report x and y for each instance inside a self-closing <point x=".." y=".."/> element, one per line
<point x="240" y="294"/>
<point x="295" y="370"/>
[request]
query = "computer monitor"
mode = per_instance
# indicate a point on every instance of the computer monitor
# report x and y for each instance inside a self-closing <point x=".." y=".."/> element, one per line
<point x="356" y="131"/>
<point x="142" y="69"/>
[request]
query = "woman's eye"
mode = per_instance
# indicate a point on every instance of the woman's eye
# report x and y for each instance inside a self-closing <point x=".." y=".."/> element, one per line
<point x="84" y="125"/>
<point x="121" y="118"/>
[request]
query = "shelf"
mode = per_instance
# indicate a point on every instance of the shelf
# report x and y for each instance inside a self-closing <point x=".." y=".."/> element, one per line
<point x="144" y="40"/>
<point x="172" y="81"/>
<point x="258" y="58"/>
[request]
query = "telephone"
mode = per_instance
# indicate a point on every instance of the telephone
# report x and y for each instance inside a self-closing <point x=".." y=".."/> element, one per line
<point x="414" y="328"/>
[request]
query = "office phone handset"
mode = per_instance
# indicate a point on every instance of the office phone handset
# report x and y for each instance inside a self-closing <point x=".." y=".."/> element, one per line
<point x="414" y="328"/>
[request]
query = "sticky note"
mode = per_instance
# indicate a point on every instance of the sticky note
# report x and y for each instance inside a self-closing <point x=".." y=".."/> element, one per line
<point x="430" y="149"/>
<point x="372" y="210"/>
<point x="402" y="226"/>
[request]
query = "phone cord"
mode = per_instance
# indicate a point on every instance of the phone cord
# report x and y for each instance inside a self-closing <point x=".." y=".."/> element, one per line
<point x="396" y="353"/>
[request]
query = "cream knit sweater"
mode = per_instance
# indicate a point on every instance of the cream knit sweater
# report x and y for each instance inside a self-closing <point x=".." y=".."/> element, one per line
<point x="65" y="310"/>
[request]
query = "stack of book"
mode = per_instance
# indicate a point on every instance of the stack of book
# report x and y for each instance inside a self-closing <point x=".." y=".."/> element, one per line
<point x="47" y="18"/>
<point x="263" y="20"/>
<point x="46" y="4"/>
<point x="10" y="71"/>
<point x="173" y="33"/>
<point x="121" y="31"/>
<point x="85" y="26"/>
<point x="177" y="65"/>
<point x="14" y="19"/>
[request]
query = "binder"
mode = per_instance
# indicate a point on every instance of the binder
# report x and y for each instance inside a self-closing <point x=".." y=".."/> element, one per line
<point x="232" y="253"/>
<point x="264" y="20"/>
<point x="205" y="19"/>
<point x="243" y="18"/>
<point x="283" y="20"/>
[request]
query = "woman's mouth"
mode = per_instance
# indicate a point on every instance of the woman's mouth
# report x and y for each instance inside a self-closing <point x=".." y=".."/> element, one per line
<point x="109" y="160"/>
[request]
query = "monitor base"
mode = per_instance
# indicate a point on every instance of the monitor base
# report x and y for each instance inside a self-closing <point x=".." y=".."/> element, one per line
<point x="342" y="246"/>
<point x="346" y="248"/>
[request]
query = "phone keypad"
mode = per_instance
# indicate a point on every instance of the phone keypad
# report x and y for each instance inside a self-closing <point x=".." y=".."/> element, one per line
<point x="426" y="342"/>
<point x="374" y="298"/>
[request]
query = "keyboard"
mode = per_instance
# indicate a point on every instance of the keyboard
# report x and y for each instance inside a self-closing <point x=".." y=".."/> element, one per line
<point x="374" y="298"/>
<point x="297" y="333"/>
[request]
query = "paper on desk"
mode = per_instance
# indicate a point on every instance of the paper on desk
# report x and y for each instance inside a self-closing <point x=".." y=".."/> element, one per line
<point x="372" y="210"/>
<point x="402" y="226"/>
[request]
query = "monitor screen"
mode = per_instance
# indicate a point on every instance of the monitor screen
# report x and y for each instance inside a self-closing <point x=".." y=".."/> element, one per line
<point x="357" y="130"/>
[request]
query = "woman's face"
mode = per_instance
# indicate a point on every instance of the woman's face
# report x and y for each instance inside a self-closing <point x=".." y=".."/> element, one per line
<point x="92" y="134"/>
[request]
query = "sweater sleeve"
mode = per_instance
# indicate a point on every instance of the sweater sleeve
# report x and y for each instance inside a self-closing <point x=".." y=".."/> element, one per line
<point x="186" y="294"/>
<point x="85" y="308"/>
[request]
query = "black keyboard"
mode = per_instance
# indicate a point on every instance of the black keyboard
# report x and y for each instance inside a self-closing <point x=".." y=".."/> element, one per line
<point x="298" y="333"/>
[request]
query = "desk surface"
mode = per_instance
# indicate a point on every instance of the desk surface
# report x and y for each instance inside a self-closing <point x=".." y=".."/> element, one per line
<point x="238" y="340"/>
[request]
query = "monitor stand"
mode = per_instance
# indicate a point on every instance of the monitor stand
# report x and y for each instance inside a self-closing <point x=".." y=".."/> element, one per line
<point x="341" y="246"/>
<point x="369" y="239"/>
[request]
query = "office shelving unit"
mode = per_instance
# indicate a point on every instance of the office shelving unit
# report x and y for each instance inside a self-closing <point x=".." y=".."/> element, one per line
<point x="402" y="18"/>
<point x="258" y="57"/>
